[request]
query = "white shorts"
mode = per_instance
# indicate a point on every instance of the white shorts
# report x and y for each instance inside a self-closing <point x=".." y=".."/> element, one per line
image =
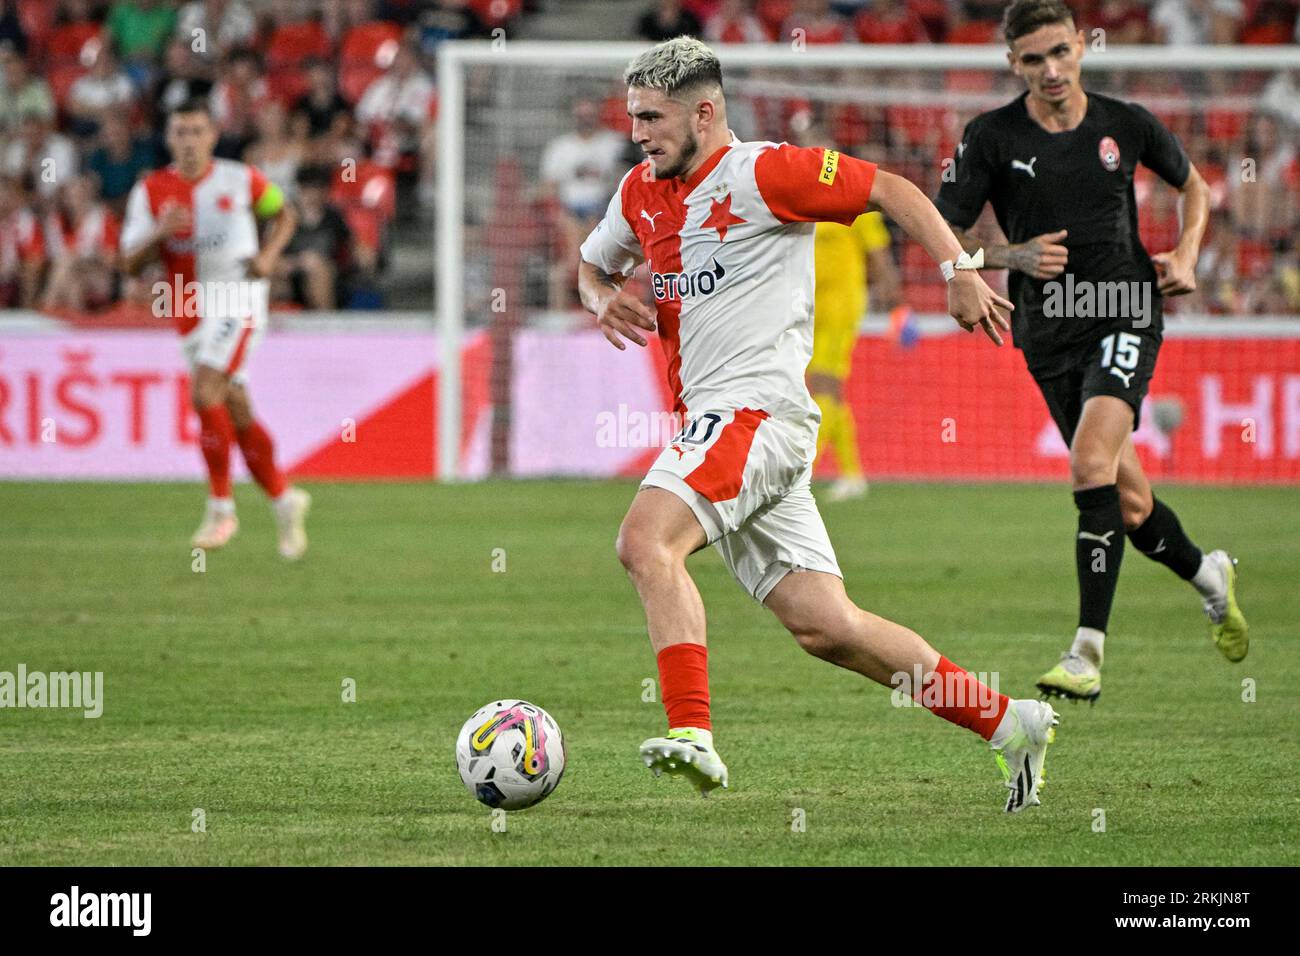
<point x="226" y="337"/>
<point x="747" y="477"/>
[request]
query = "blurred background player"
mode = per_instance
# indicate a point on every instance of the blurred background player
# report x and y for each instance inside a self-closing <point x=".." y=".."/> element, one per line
<point x="845" y="257"/>
<point x="200" y="216"/>
<point x="1057" y="164"/>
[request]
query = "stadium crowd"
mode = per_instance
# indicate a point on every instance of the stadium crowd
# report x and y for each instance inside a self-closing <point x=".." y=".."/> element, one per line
<point x="335" y="101"/>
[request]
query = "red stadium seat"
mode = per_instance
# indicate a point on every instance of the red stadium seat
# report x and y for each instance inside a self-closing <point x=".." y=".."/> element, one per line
<point x="293" y="43"/>
<point x="974" y="32"/>
<point x="60" y="80"/>
<point x="495" y="13"/>
<point x="287" y="84"/>
<point x="366" y="51"/>
<point x="74" y="43"/>
<point x="37" y="20"/>
<point x="1224" y="125"/>
<point x="372" y="188"/>
<point x="613" y="114"/>
<point x="773" y="14"/>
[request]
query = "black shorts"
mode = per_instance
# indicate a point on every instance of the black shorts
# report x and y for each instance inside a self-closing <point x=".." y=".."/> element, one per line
<point x="1116" y="362"/>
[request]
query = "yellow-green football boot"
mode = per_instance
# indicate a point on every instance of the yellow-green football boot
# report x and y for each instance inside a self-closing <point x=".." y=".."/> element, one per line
<point x="1228" y="628"/>
<point x="1074" y="678"/>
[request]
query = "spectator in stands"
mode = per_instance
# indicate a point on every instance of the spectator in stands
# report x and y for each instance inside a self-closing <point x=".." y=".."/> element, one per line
<point x="1217" y="282"/>
<point x="183" y="77"/>
<point x="105" y="90"/>
<point x="1274" y="21"/>
<point x="322" y="104"/>
<point x="1123" y="21"/>
<point x="1183" y="22"/>
<point x="239" y="87"/>
<point x="22" y="248"/>
<point x="816" y="23"/>
<point x="214" y="27"/>
<point x="440" y="20"/>
<point x="12" y="34"/>
<point x="47" y="157"/>
<point x="579" y="171"/>
<point x="317" y="259"/>
<point x="277" y="151"/>
<point x="397" y="112"/>
<point x="974" y="21"/>
<point x="21" y="93"/>
<point x="735" y="22"/>
<point x="118" y="160"/>
<point x="1263" y="183"/>
<point x="668" y="19"/>
<point x="890" y="21"/>
<point x="81" y="238"/>
<point x="140" y="30"/>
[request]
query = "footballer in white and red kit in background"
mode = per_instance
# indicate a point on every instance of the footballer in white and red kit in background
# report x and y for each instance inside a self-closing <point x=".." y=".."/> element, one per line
<point x="726" y="229"/>
<point x="200" y="216"/>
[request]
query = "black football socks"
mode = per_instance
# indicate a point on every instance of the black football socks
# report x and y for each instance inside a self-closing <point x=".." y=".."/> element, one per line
<point x="1098" y="551"/>
<point x="1161" y="538"/>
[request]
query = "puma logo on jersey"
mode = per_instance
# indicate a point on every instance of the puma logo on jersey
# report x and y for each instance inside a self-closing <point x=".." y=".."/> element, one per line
<point x="651" y="219"/>
<point x="1127" y="377"/>
<point x="1025" y="167"/>
<point x="1089" y="536"/>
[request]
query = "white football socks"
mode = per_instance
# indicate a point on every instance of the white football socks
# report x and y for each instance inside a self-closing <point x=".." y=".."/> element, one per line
<point x="1088" y="644"/>
<point x="1208" y="579"/>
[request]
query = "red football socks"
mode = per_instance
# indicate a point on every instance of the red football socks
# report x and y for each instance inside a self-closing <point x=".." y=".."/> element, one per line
<point x="214" y="439"/>
<point x="259" y="453"/>
<point x="958" y="696"/>
<point x="684" y="681"/>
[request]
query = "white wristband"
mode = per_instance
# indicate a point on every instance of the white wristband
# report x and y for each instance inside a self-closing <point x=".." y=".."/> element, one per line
<point x="965" y="261"/>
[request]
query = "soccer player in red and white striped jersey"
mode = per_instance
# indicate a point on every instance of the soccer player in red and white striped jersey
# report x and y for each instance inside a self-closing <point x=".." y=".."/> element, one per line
<point x="727" y="231"/>
<point x="201" y="217"/>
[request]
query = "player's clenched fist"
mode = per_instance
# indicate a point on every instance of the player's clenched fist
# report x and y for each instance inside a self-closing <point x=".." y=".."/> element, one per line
<point x="972" y="303"/>
<point x="621" y="315"/>
<point x="1042" y="257"/>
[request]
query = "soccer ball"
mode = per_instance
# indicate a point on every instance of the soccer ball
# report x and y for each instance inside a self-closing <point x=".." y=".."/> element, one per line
<point x="510" y="754"/>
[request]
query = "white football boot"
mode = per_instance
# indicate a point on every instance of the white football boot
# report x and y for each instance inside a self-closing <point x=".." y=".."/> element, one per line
<point x="687" y="752"/>
<point x="1022" y="752"/>
<point x="290" y="518"/>
<point x="218" y="527"/>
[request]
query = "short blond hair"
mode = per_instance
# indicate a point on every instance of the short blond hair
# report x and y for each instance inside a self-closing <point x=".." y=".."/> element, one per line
<point x="682" y="63"/>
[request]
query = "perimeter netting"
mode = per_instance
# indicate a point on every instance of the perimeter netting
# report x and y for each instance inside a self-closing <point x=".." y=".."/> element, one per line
<point x="545" y="142"/>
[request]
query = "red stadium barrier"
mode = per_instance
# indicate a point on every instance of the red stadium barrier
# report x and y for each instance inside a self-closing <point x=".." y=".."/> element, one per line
<point x="83" y="404"/>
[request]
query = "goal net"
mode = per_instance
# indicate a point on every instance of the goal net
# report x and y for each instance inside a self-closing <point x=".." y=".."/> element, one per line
<point x="533" y="139"/>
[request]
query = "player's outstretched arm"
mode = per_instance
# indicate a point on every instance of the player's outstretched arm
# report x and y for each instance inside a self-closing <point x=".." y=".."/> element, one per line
<point x="617" y="311"/>
<point x="970" y="301"/>
<point x="1042" y="257"/>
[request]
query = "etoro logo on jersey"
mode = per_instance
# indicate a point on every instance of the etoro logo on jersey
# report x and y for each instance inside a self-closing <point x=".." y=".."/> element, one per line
<point x="680" y="285"/>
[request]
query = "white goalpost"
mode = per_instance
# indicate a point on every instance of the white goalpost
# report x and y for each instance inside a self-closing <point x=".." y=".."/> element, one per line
<point x="501" y="101"/>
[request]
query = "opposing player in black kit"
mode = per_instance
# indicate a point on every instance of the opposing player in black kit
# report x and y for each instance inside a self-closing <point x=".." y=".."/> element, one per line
<point x="1057" y="164"/>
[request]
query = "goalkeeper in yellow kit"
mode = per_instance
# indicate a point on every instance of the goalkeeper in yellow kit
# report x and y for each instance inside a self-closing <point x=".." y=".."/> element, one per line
<point x="844" y="256"/>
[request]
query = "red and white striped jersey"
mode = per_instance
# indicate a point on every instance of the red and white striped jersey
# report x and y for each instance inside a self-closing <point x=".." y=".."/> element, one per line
<point x="730" y="254"/>
<point x="223" y="234"/>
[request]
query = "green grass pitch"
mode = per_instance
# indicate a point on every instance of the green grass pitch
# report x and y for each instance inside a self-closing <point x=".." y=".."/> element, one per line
<point x="224" y="688"/>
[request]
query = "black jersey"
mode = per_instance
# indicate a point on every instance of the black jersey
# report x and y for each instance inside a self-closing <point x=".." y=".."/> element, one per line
<point x="1080" y="180"/>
